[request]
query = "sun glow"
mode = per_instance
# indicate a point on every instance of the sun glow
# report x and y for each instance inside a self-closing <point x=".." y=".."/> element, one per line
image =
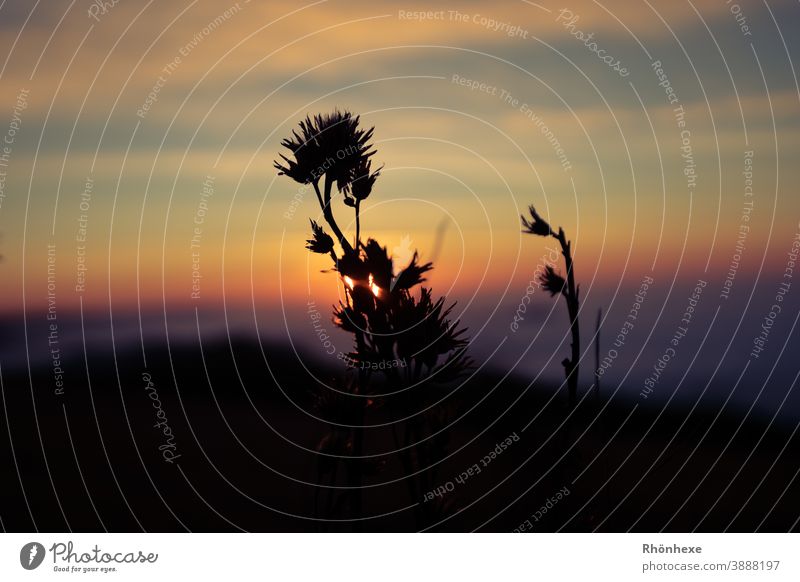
<point x="375" y="289"/>
<point x="370" y="283"/>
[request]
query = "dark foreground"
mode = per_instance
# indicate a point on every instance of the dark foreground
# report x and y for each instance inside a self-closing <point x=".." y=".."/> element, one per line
<point x="242" y="455"/>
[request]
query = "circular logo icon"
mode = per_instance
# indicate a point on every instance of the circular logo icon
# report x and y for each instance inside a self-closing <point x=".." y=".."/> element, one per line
<point x="31" y="555"/>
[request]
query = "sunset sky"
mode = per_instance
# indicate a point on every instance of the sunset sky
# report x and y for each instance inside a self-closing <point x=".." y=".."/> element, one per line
<point x="227" y="82"/>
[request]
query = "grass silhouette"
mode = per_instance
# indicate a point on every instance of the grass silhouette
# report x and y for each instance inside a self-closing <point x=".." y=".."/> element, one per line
<point x="556" y="285"/>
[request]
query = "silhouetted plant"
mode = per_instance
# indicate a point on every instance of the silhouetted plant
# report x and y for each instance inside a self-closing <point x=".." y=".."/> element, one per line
<point x="555" y="284"/>
<point x="598" y="324"/>
<point x="410" y="339"/>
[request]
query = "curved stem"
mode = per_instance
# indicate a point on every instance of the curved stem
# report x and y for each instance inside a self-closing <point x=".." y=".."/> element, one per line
<point x="327" y="212"/>
<point x="319" y="196"/>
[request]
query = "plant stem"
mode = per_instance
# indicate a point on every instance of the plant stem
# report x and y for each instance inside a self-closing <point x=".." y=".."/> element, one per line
<point x="358" y="223"/>
<point x="597" y="353"/>
<point x="571" y="366"/>
<point x="319" y="196"/>
<point x="358" y="437"/>
<point x="327" y="212"/>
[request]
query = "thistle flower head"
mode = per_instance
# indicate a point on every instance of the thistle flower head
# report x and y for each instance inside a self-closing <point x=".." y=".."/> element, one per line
<point x="411" y="275"/>
<point x="362" y="179"/>
<point x="320" y="241"/>
<point x="329" y="145"/>
<point x="536" y="225"/>
<point x="552" y="282"/>
<point x="346" y="145"/>
<point x="424" y="329"/>
<point x="306" y="167"/>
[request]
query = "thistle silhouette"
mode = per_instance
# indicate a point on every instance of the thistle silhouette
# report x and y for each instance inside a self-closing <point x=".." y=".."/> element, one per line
<point x="409" y="339"/>
<point x="555" y="284"/>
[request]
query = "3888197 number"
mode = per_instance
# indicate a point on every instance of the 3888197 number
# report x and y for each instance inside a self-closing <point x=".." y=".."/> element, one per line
<point x="753" y="565"/>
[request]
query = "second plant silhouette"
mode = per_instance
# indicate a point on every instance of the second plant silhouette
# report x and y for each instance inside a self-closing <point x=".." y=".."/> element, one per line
<point x="556" y="285"/>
